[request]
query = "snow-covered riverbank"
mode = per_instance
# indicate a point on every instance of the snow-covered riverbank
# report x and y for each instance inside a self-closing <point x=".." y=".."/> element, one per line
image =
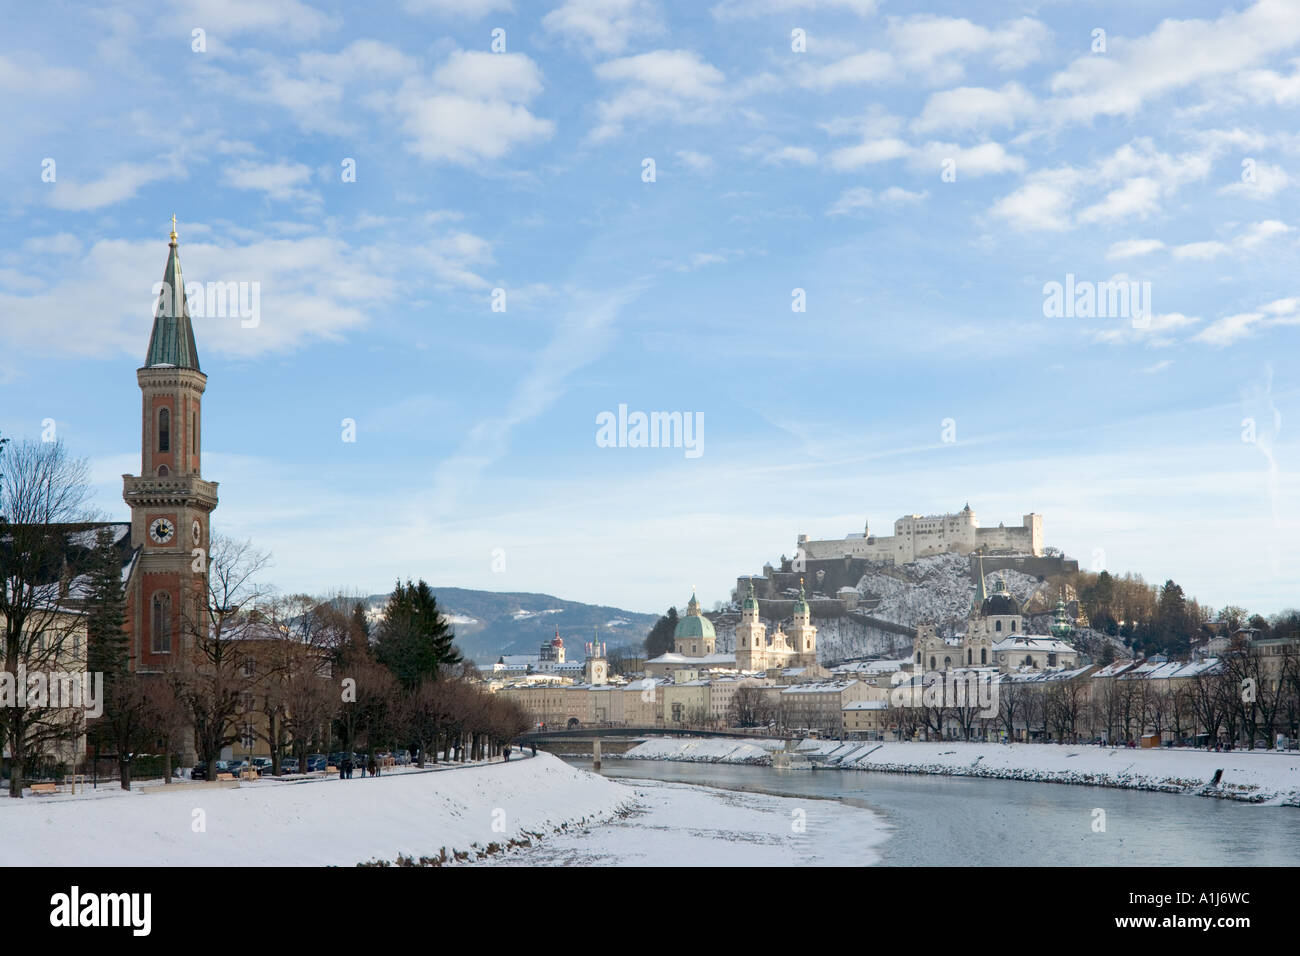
<point x="1258" y="777"/>
<point x="673" y="824"/>
<point x="321" y="822"/>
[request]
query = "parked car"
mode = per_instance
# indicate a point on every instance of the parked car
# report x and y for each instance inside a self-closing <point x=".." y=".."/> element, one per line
<point x="402" y="757"/>
<point x="289" y="765"/>
<point x="262" y="765"/>
<point x="336" y="758"/>
<point x="316" y="762"/>
<point x="237" y="767"/>
<point x="200" y="771"/>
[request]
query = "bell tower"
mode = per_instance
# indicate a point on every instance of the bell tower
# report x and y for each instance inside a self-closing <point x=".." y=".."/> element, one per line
<point x="170" y="502"/>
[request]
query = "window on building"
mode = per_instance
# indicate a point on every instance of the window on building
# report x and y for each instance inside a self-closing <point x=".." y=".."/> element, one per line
<point x="1013" y="625"/>
<point x="164" y="430"/>
<point x="984" y="655"/>
<point x="161" y="631"/>
<point x="997" y="625"/>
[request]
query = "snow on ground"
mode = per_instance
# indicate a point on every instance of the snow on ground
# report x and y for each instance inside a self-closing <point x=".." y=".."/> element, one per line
<point x="1255" y="777"/>
<point x="316" y="822"/>
<point x="681" y="825"/>
<point x="704" y="750"/>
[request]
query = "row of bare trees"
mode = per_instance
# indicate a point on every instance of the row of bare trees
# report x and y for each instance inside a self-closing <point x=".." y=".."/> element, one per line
<point x="1246" y="698"/>
<point x="301" y="674"/>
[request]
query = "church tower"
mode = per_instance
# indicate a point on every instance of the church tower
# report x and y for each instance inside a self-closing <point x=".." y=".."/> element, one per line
<point x="751" y="636"/>
<point x="803" y="635"/>
<point x="170" y="502"/>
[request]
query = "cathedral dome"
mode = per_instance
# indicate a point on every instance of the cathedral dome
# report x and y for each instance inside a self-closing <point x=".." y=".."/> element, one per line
<point x="694" y="624"/>
<point x="1000" y="602"/>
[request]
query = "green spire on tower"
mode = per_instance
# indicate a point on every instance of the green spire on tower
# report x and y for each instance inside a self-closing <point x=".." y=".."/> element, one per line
<point x="172" y="341"/>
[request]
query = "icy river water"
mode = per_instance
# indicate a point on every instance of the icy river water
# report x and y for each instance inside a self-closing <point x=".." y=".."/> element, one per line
<point x="962" y="821"/>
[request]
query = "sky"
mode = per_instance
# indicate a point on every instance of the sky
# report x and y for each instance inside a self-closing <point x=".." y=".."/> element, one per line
<point x="826" y="232"/>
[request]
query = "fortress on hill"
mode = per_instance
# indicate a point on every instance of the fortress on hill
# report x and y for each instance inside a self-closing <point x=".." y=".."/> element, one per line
<point x="916" y="536"/>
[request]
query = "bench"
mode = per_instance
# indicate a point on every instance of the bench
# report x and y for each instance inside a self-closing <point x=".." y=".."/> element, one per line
<point x="225" y="776"/>
<point x="331" y="769"/>
<point x="40" y="788"/>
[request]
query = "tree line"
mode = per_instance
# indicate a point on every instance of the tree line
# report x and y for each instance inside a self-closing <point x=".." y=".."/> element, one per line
<point x="300" y="674"/>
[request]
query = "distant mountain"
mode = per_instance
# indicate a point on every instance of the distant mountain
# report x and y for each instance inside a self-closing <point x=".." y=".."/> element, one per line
<point x="491" y="623"/>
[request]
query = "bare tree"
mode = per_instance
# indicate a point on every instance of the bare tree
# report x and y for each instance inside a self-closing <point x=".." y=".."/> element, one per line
<point x="214" y="683"/>
<point x="42" y="492"/>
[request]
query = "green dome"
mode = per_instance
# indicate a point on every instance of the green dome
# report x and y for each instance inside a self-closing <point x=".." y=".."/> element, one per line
<point x="694" y="624"/>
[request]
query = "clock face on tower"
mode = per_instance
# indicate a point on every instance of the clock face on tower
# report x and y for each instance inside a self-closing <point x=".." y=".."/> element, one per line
<point x="162" y="530"/>
<point x="196" y="529"/>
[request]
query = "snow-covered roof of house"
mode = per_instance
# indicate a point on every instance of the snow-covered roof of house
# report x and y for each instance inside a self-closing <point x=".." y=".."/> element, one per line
<point x="671" y="657"/>
<point x="821" y="687"/>
<point x="1026" y="642"/>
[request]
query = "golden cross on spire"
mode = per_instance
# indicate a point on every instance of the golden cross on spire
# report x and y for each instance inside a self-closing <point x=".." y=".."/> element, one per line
<point x="173" y="227"/>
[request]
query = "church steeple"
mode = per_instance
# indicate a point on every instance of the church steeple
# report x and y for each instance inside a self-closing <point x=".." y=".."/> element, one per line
<point x="980" y="593"/>
<point x="172" y="341"/>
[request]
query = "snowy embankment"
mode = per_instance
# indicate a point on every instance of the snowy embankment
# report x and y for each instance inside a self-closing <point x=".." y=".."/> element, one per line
<point x="1253" y="777"/>
<point x="320" y="822"/>
<point x="679" y="825"/>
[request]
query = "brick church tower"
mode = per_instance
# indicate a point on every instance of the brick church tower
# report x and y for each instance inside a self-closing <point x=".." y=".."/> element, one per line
<point x="170" y="502"/>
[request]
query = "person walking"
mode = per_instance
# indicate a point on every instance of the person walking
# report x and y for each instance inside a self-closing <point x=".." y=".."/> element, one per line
<point x="345" y="768"/>
<point x="374" y="767"/>
<point x="506" y="750"/>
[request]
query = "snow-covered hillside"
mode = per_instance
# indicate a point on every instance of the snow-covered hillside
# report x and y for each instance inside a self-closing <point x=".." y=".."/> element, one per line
<point x="936" y="590"/>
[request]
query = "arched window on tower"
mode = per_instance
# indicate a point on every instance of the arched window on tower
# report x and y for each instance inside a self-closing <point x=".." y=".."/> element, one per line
<point x="164" y="430"/>
<point x="997" y="625"/>
<point x="984" y="655"/>
<point x="161" y="631"/>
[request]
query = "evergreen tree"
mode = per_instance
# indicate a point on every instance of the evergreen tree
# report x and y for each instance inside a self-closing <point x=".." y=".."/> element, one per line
<point x="660" y="639"/>
<point x="414" y="640"/>
<point x="106" y="651"/>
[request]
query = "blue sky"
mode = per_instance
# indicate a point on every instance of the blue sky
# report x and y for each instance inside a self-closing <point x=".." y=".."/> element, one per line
<point x="1170" y="158"/>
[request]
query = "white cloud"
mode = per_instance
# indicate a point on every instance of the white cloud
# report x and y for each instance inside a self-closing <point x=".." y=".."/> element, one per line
<point x="975" y="107"/>
<point x="1199" y="251"/>
<point x="871" y="66"/>
<point x="604" y="26"/>
<point x="852" y="201"/>
<point x="282" y="181"/>
<point x="311" y="288"/>
<point x="30" y="76"/>
<point x="222" y="18"/>
<point x="744" y="9"/>
<point x="1177" y="54"/>
<point x="663" y="85"/>
<point x="473" y="9"/>
<point x="1138" y="177"/>
<point x="1157" y="332"/>
<point x="119" y="183"/>
<point x="475" y="108"/>
<point x="867" y="152"/>
<point x="799" y="155"/>
<point x="1130" y="248"/>
<point x="934" y="46"/>
<point x="1138" y="197"/>
<point x="1269" y="179"/>
<point x="699" y="162"/>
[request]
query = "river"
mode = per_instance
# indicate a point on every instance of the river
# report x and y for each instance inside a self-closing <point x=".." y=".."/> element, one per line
<point x="965" y="821"/>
